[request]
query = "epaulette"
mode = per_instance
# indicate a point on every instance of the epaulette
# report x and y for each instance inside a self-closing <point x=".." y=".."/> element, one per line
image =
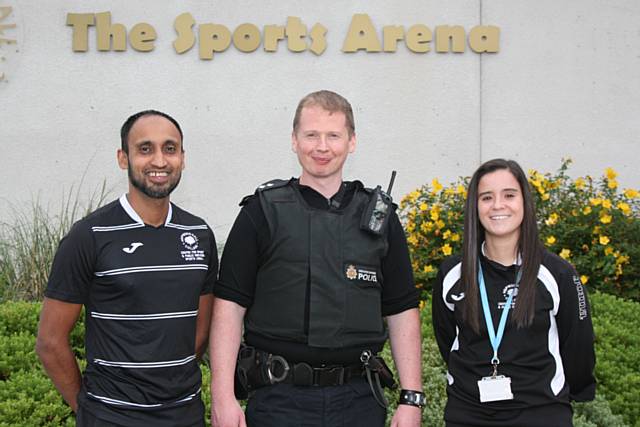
<point x="274" y="183"/>
<point x="269" y="185"/>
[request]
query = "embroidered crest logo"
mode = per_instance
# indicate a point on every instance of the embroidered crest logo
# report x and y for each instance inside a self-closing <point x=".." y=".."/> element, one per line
<point x="189" y="240"/>
<point x="351" y="272"/>
<point x="506" y="291"/>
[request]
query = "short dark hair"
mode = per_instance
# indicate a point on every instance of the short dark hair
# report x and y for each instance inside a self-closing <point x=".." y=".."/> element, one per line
<point x="128" y="124"/>
<point x="329" y="101"/>
<point x="529" y="247"/>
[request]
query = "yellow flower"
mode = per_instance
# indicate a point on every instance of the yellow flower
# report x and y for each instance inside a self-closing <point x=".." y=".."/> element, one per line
<point x="606" y="203"/>
<point x="422" y="304"/>
<point x="630" y="193"/>
<point x="435" y="214"/>
<point x="565" y="253"/>
<point x="611" y="174"/>
<point x="596" y="229"/>
<point x="622" y="259"/>
<point x="605" y="219"/>
<point x="449" y="191"/>
<point x="446" y="234"/>
<point x="586" y="210"/>
<point x="424" y="227"/>
<point x="553" y="218"/>
<point x="608" y="250"/>
<point x="612" y="184"/>
<point x="545" y="196"/>
<point x="436" y="186"/>
<point x="440" y="224"/>
<point x="551" y="240"/>
<point x="413" y="196"/>
<point x="410" y="226"/>
<point x="428" y="268"/>
<point x="580" y="183"/>
<point x="446" y="249"/>
<point x="574" y="212"/>
<point x="604" y="240"/>
<point x="461" y="189"/>
<point x="412" y="240"/>
<point x="584" y="279"/>
<point x="423" y="206"/>
<point x="455" y="237"/>
<point x="624" y="207"/>
<point x="595" y="201"/>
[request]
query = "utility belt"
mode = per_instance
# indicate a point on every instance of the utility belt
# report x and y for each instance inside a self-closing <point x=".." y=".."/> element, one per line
<point x="256" y="368"/>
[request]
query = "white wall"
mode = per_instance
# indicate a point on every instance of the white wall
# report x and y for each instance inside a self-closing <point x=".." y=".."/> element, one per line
<point x="566" y="83"/>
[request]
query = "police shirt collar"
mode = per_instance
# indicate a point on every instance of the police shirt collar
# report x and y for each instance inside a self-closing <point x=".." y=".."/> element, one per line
<point x="124" y="202"/>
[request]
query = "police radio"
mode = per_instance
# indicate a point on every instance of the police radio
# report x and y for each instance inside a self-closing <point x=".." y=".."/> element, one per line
<point x="376" y="215"/>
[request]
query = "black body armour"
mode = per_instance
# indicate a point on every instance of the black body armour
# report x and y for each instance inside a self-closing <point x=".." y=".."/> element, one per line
<point x="341" y="262"/>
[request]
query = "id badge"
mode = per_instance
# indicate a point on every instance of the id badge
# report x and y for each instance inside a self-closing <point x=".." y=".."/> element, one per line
<point x="495" y="388"/>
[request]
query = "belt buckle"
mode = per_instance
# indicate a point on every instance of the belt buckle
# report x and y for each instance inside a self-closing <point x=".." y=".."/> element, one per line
<point x="329" y="375"/>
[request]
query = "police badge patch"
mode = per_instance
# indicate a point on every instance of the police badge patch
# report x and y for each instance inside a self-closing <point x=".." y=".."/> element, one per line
<point x="359" y="273"/>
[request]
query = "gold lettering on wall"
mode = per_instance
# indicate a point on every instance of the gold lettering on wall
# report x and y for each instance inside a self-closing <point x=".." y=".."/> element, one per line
<point x="142" y="36"/>
<point x="108" y="32"/>
<point x="80" y="33"/>
<point x="484" y="38"/>
<point x="418" y="38"/>
<point x="272" y="35"/>
<point x="361" y="35"/>
<point x="246" y="37"/>
<point x="447" y="36"/>
<point x="186" y="39"/>
<point x="214" y="38"/>
<point x="318" y="41"/>
<point x="296" y="31"/>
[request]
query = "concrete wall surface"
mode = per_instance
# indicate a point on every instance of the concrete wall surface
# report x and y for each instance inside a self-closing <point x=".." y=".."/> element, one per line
<point x="565" y="83"/>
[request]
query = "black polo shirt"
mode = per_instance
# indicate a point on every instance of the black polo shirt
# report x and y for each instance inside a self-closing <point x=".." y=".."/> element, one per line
<point x="141" y="287"/>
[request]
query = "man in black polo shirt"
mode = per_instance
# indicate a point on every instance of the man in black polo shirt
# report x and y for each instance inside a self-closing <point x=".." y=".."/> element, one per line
<point x="144" y="270"/>
<point x="312" y="287"/>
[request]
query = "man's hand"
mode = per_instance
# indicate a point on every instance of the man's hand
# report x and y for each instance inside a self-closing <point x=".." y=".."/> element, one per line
<point x="227" y="414"/>
<point x="407" y="416"/>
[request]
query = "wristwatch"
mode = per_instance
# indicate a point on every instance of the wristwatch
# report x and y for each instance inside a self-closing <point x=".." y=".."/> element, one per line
<point x="413" y="398"/>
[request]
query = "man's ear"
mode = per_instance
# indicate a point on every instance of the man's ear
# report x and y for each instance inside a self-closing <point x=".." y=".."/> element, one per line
<point x="352" y="143"/>
<point x="123" y="159"/>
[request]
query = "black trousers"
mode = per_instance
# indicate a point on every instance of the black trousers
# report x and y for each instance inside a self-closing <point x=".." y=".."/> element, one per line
<point x="285" y="405"/>
<point x="460" y="414"/>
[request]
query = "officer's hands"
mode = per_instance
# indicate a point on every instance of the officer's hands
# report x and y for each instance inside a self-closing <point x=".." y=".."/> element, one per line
<point x="407" y="416"/>
<point x="227" y="414"/>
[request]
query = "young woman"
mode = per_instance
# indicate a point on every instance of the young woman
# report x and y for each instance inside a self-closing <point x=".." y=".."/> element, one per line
<point x="511" y="319"/>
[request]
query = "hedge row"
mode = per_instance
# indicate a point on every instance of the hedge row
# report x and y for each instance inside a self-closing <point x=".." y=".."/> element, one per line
<point x="27" y="397"/>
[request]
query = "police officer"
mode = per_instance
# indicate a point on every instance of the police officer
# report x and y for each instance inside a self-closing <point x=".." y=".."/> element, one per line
<point x="312" y="266"/>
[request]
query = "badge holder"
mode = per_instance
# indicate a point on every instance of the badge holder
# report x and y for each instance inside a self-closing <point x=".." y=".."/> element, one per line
<point x="496" y="387"/>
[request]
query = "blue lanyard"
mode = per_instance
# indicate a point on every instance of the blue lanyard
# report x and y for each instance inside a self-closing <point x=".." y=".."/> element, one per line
<point x="493" y="337"/>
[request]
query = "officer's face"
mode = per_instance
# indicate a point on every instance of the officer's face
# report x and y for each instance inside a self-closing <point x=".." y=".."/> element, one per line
<point x="500" y="205"/>
<point x="155" y="160"/>
<point x="322" y="143"/>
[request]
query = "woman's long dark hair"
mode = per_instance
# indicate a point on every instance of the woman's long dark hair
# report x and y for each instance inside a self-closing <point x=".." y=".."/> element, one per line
<point x="529" y="248"/>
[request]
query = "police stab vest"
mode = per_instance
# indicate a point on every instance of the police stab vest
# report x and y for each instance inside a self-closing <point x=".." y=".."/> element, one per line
<point x="328" y="250"/>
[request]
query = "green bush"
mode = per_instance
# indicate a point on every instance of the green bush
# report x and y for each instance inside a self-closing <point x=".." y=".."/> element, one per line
<point x="28" y="398"/>
<point x="591" y="223"/>
<point x="596" y="414"/>
<point x="616" y="323"/>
